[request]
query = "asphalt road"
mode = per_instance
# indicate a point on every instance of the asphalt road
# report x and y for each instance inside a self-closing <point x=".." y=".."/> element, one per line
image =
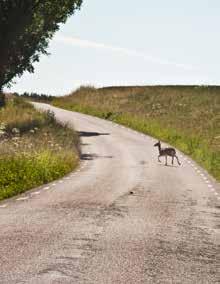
<point x="121" y="218"/>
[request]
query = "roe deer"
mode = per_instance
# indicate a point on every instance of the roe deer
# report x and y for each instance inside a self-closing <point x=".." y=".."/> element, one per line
<point x="166" y="152"/>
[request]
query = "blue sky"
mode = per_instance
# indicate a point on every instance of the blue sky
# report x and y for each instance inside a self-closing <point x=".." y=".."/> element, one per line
<point x="143" y="42"/>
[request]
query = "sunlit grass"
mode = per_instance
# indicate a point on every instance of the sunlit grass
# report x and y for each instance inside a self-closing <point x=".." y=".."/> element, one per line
<point x="34" y="148"/>
<point x="186" y="117"/>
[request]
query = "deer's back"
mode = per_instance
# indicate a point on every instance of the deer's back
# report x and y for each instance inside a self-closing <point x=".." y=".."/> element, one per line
<point x="168" y="152"/>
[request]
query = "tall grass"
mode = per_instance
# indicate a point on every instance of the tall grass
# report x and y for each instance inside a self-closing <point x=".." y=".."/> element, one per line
<point x="187" y="117"/>
<point x="34" y="148"/>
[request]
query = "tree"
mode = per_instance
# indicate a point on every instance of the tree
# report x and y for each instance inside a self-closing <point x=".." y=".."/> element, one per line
<point x="26" y="26"/>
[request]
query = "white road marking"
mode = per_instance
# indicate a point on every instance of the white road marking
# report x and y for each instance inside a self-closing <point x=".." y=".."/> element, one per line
<point x="22" y="198"/>
<point x="216" y="194"/>
<point x="3" y="206"/>
<point x="35" y="193"/>
<point x="209" y="185"/>
<point x="46" y="187"/>
<point x="54" y="184"/>
<point x="60" y="181"/>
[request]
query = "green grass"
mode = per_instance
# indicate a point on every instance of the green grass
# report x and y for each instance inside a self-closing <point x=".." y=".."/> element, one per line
<point x="34" y="148"/>
<point x="187" y="117"/>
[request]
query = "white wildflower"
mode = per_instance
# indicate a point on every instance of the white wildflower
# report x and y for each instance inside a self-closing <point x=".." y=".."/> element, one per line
<point x="15" y="131"/>
<point x="2" y="126"/>
<point x="15" y="138"/>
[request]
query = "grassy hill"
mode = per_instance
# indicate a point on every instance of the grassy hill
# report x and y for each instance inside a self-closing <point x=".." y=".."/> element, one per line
<point x="34" y="148"/>
<point x="187" y="117"/>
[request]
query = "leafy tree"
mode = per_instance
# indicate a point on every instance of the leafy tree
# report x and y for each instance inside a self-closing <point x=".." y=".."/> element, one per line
<point x="26" y="26"/>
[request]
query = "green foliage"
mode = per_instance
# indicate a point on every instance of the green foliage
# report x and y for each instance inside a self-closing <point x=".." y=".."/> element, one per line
<point x="187" y="117"/>
<point x="37" y="97"/>
<point x="21" y="172"/>
<point x="34" y="148"/>
<point x="25" y="30"/>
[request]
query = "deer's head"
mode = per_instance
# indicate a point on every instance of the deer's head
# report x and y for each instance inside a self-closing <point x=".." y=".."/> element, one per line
<point x="157" y="144"/>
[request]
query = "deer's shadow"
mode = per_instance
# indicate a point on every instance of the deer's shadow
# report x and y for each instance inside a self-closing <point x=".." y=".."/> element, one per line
<point x="171" y="166"/>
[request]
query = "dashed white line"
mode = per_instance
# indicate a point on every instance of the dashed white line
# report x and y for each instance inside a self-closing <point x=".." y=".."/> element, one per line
<point x="46" y="187"/>
<point x="3" y="206"/>
<point x="22" y="198"/>
<point x="35" y="193"/>
<point x="60" y="181"/>
<point x="54" y="184"/>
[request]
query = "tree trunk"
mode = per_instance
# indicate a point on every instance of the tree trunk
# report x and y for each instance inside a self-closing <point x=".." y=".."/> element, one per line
<point x="2" y="97"/>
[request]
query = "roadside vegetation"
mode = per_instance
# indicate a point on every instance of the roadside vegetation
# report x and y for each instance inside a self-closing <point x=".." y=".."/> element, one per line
<point x="34" y="148"/>
<point x="34" y="97"/>
<point x="187" y="117"/>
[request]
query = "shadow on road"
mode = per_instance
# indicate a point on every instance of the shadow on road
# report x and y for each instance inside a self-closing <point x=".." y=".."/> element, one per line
<point x="90" y="134"/>
<point x="89" y="157"/>
<point x="171" y="166"/>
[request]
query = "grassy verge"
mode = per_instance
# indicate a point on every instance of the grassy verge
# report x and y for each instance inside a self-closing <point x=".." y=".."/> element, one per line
<point x="186" y="117"/>
<point x="34" y="148"/>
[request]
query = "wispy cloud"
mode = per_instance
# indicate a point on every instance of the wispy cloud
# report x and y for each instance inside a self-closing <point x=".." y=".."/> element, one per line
<point x="125" y="51"/>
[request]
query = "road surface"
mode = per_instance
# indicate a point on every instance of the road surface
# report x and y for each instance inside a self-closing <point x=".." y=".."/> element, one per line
<point x="120" y="218"/>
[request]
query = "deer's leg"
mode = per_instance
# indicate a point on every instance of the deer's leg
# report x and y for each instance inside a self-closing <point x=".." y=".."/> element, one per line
<point x="159" y="159"/>
<point x="172" y="159"/>
<point x="166" y="160"/>
<point x="177" y="160"/>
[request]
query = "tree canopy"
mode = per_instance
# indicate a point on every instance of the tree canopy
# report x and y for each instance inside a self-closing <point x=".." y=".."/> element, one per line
<point x="26" y="26"/>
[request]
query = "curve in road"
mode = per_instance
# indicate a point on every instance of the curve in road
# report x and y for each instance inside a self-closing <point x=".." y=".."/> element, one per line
<point x="121" y="218"/>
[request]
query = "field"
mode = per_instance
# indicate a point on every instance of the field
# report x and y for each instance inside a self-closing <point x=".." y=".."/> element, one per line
<point x="187" y="117"/>
<point x="34" y="148"/>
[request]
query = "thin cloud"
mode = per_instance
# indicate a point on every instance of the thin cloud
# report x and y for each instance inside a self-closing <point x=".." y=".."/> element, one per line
<point x="128" y="52"/>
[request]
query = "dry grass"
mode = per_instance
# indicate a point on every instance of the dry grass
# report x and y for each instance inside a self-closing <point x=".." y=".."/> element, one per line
<point x="187" y="117"/>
